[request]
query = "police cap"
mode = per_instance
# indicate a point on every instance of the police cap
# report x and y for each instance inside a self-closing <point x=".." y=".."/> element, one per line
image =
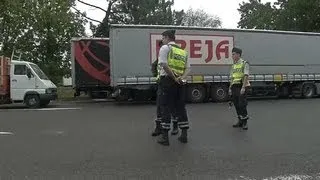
<point x="169" y="33"/>
<point x="237" y="50"/>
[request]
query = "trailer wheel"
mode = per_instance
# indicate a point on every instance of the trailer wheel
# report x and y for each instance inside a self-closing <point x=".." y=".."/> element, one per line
<point x="32" y="101"/>
<point x="196" y="93"/>
<point x="308" y="90"/>
<point x="220" y="92"/>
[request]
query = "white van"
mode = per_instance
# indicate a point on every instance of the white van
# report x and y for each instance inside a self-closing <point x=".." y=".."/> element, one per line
<point x="24" y="82"/>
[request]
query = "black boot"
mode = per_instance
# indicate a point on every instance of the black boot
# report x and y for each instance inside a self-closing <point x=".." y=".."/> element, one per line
<point x="245" y="125"/>
<point x="184" y="136"/>
<point x="157" y="130"/>
<point x="164" y="138"/>
<point x="175" y="129"/>
<point x="238" y="124"/>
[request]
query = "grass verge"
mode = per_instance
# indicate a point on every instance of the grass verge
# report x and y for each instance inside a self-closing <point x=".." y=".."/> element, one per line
<point x="66" y="94"/>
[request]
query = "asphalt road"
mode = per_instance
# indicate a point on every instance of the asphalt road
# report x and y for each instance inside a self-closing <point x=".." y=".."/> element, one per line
<point x="107" y="141"/>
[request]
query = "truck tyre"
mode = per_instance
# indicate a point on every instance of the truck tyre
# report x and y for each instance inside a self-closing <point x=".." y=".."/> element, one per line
<point x="308" y="90"/>
<point x="32" y="101"/>
<point x="196" y="93"/>
<point x="219" y="93"/>
<point x="44" y="103"/>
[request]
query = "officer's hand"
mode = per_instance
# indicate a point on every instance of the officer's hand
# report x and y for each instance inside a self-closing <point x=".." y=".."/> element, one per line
<point x="177" y="79"/>
<point x="242" y="90"/>
<point x="181" y="80"/>
<point x="230" y="92"/>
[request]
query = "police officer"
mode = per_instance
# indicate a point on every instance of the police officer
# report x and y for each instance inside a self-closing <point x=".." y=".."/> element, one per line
<point x="239" y="85"/>
<point x="157" y="130"/>
<point x="174" y="67"/>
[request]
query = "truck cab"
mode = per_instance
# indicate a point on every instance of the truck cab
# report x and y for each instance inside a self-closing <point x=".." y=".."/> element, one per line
<point x="30" y="85"/>
<point x="24" y="82"/>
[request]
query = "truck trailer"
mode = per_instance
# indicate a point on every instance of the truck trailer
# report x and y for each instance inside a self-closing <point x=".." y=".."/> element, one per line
<point x="282" y="63"/>
<point x="90" y="60"/>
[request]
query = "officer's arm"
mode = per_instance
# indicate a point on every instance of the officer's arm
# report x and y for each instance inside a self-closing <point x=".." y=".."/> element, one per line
<point x="187" y="71"/>
<point x="154" y="68"/>
<point x="231" y="79"/>
<point x="163" y="60"/>
<point x="168" y="70"/>
<point x="246" y="75"/>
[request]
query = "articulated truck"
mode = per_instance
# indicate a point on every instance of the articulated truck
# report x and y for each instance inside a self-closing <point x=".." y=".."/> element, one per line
<point x="283" y="64"/>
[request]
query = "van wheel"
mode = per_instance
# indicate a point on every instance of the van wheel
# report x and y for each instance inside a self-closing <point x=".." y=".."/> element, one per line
<point x="308" y="90"/>
<point x="219" y="92"/>
<point x="196" y="93"/>
<point x="32" y="101"/>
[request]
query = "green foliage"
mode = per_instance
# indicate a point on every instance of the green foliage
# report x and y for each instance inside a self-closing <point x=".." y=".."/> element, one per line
<point x="138" y="12"/>
<point x="293" y="15"/>
<point x="41" y="30"/>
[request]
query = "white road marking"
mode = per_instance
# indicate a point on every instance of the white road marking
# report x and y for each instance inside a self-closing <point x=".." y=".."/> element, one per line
<point x="55" y="109"/>
<point x="285" y="177"/>
<point x="42" y="109"/>
<point x="290" y="177"/>
<point x="53" y="132"/>
<point x="6" y="133"/>
<point x="59" y="132"/>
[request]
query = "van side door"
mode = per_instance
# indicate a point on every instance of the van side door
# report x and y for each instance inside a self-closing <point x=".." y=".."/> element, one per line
<point x="20" y="82"/>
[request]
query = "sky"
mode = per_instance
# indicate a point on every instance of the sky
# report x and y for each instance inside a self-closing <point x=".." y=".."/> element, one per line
<point x="225" y="9"/>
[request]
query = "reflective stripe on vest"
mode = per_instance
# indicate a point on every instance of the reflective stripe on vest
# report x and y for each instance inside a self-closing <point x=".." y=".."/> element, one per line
<point x="238" y="72"/>
<point x="177" y="60"/>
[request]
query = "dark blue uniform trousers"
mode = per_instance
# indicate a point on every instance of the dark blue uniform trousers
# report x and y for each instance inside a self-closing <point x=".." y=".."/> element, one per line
<point x="171" y="97"/>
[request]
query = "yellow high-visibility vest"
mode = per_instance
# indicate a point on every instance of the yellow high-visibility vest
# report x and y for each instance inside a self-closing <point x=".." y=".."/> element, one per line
<point x="238" y="72"/>
<point x="177" y="60"/>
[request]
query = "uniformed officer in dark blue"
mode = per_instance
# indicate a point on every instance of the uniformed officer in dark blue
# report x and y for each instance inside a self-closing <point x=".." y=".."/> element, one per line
<point x="157" y="131"/>
<point x="174" y="68"/>
<point x="239" y="86"/>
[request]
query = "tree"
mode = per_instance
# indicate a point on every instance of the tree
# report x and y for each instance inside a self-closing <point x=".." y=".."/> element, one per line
<point x="255" y="15"/>
<point x="298" y="15"/>
<point x="293" y="15"/>
<point x="136" y="12"/>
<point x="200" y="18"/>
<point x="13" y="25"/>
<point x="145" y="11"/>
<point x="41" y="31"/>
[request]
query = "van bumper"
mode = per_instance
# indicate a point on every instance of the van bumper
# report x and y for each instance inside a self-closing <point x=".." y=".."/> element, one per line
<point x="48" y="97"/>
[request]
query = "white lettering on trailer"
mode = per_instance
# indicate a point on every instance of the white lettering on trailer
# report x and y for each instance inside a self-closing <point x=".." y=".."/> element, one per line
<point x="202" y="49"/>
